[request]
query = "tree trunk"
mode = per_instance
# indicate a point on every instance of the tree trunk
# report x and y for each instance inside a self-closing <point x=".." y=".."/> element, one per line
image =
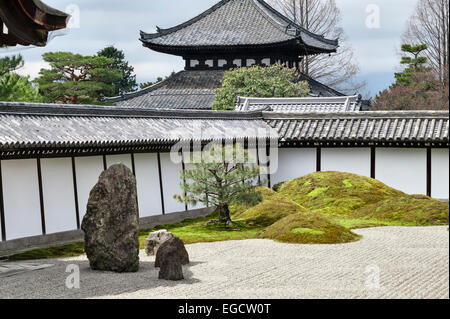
<point x="224" y="213"/>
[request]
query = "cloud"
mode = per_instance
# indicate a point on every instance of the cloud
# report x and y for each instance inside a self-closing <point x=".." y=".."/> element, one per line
<point x="32" y="69"/>
<point x="117" y="22"/>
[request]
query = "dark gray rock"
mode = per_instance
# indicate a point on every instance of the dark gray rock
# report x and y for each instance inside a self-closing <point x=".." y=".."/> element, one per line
<point x="155" y="240"/>
<point x="170" y="263"/>
<point x="111" y="223"/>
<point x="178" y="244"/>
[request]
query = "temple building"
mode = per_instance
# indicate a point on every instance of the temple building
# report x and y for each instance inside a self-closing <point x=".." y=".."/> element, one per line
<point x="28" y="22"/>
<point x="232" y="33"/>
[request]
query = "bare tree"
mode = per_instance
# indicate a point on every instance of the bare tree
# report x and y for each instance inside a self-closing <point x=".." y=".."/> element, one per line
<point x="430" y="25"/>
<point x="323" y="17"/>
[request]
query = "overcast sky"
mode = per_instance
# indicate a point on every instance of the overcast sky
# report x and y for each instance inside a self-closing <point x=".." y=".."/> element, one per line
<point x="117" y="22"/>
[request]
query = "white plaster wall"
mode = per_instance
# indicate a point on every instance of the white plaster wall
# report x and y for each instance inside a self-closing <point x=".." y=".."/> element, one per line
<point x="58" y="193"/>
<point x="88" y="171"/>
<point x="440" y="173"/>
<point x="403" y="169"/>
<point x="119" y="159"/>
<point x="147" y="179"/>
<point x="347" y="160"/>
<point x="21" y="198"/>
<point x="293" y="163"/>
<point x="171" y="184"/>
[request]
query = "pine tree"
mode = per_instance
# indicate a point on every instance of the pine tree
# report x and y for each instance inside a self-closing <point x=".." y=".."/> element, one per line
<point x="127" y="82"/>
<point x="74" y="78"/>
<point x="414" y="64"/>
<point x="13" y="87"/>
<point x="220" y="179"/>
<point x="10" y="64"/>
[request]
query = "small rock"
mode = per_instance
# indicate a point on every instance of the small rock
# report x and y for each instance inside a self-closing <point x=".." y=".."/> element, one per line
<point x="155" y="240"/>
<point x="111" y="223"/>
<point x="170" y="263"/>
<point x="178" y="244"/>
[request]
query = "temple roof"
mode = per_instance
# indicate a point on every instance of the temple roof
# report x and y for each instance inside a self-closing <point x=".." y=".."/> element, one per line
<point x="49" y="130"/>
<point x="193" y="90"/>
<point x="301" y="105"/>
<point x="28" y="22"/>
<point x="237" y="23"/>
<point x="183" y="90"/>
<point x="381" y="128"/>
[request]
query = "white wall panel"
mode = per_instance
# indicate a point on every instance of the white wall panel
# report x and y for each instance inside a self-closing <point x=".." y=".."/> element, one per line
<point x="119" y="159"/>
<point x="147" y="178"/>
<point x="439" y="175"/>
<point x="403" y="169"/>
<point x="58" y="193"/>
<point x="346" y="160"/>
<point x="293" y="163"/>
<point x="171" y="183"/>
<point x="21" y="198"/>
<point x="88" y="171"/>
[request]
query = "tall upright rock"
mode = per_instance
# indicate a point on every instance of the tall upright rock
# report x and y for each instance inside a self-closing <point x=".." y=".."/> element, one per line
<point x="111" y="223"/>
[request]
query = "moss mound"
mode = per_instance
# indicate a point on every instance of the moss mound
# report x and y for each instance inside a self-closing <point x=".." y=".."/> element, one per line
<point x="236" y="210"/>
<point x="308" y="228"/>
<point x="335" y="192"/>
<point x="271" y="210"/>
<point x="417" y="210"/>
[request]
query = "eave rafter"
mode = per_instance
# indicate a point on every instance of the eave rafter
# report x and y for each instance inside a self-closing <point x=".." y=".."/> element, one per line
<point x="28" y="22"/>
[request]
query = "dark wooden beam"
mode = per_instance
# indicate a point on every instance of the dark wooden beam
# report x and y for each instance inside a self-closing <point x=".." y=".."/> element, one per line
<point x="269" y="181"/>
<point x="41" y="195"/>
<point x="75" y="192"/>
<point x="2" y="207"/>
<point x="429" y="171"/>
<point x="373" y="152"/>
<point x="161" y="188"/>
<point x="319" y="159"/>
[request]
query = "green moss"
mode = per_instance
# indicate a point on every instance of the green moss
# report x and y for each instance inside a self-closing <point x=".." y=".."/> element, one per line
<point x="236" y="210"/>
<point x="196" y="231"/>
<point x="307" y="231"/>
<point x="308" y="228"/>
<point x="347" y="183"/>
<point x="335" y="192"/>
<point x="270" y="211"/>
<point x="316" y="192"/>
<point x="55" y="252"/>
<point x="413" y="210"/>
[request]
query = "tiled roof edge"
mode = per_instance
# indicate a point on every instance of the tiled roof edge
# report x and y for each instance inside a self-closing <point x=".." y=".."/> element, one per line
<point x="357" y="115"/>
<point x="41" y="109"/>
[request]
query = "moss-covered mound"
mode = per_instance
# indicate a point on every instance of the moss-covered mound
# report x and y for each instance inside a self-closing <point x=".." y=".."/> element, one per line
<point x="335" y="192"/>
<point x="308" y="228"/>
<point x="267" y="194"/>
<point x="271" y="210"/>
<point x="415" y="210"/>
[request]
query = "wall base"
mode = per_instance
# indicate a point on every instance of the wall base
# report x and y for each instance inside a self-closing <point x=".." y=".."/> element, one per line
<point x="17" y="246"/>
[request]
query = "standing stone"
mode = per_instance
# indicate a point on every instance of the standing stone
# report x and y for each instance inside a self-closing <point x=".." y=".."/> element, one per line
<point x="180" y="250"/>
<point x="111" y="223"/>
<point x="155" y="240"/>
<point x="170" y="264"/>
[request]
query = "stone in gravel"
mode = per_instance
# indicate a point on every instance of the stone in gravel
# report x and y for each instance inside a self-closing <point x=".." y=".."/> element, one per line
<point x="111" y="223"/>
<point x="170" y="263"/>
<point x="155" y="240"/>
<point x="181" y="251"/>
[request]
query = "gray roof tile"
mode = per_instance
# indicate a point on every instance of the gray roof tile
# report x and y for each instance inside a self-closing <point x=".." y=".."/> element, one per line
<point x="301" y="105"/>
<point x="395" y="127"/>
<point x="193" y="90"/>
<point x="236" y="23"/>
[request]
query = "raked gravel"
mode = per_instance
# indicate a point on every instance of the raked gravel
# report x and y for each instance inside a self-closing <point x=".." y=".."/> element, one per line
<point x="413" y="262"/>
